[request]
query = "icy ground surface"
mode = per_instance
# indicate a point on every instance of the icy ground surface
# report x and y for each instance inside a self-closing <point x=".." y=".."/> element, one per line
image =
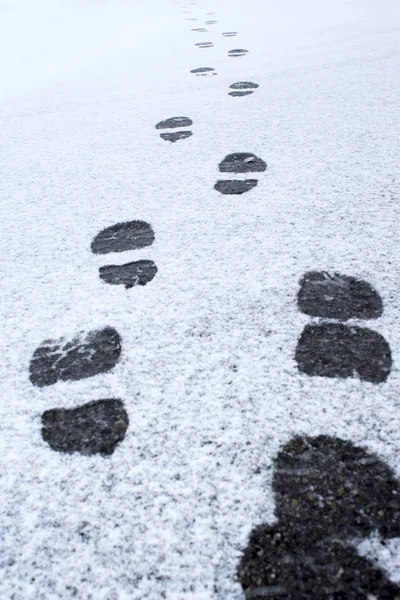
<point x="207" y="372"/>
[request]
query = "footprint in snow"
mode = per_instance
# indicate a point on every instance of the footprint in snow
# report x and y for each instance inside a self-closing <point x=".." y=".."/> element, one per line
<point x="200" y="30"/>
<point x="122" y="237"/>
<point x="174" y="123"/>
<point x="211" y="22"/>
<point x="204" y="72"/>
<point x="93" y="428"/>
<point x="230" y="34"/>
<point x="239" y="162"/>
<point x="333" y="349"/>
<point x="237" y="52"/>
<point x="242" y="88"/>
<point x="205" y="45"/>
<point x="328" y="493"/>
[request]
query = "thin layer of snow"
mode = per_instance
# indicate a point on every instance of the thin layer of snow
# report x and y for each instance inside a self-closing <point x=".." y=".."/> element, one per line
<point x="207" y="372"/>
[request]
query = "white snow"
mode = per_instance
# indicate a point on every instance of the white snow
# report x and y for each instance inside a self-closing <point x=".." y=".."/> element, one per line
<point x="207" y="372"/>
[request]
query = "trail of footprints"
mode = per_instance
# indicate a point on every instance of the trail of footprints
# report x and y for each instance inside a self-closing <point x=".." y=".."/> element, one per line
<point x="98" y="426"/>
<point x="234" y="53"/>
<point x="328" y="492"/>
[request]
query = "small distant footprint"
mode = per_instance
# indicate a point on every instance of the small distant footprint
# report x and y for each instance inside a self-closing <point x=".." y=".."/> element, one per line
<point x="205" y="44"/>
<point x="123" y="237"/>
<point x="173" y="123"/>
<point x="93" y="428"/>
<point x="204" y="71"/>
<point x="245" y="88"/>
<point x="237" y="52"/>
<point x="239" y="162"/>
<point x="230" y="34"/>
<point x="334" y="349"/>
<point x="200" y="30"/>
<point x="211" y="22"/>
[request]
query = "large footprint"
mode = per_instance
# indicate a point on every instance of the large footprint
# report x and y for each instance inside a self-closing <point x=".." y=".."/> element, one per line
<point x="328" y="493"/>
<point x="122" y="237"/>
<point x="93" y="428"/>
<point x="335" y="349"/>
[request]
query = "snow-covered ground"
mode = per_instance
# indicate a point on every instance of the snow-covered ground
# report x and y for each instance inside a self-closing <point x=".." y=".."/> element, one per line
<point x="207" y="371"/>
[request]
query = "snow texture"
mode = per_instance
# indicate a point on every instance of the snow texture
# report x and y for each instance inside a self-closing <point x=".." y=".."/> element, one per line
<point x="207" y="372"/>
